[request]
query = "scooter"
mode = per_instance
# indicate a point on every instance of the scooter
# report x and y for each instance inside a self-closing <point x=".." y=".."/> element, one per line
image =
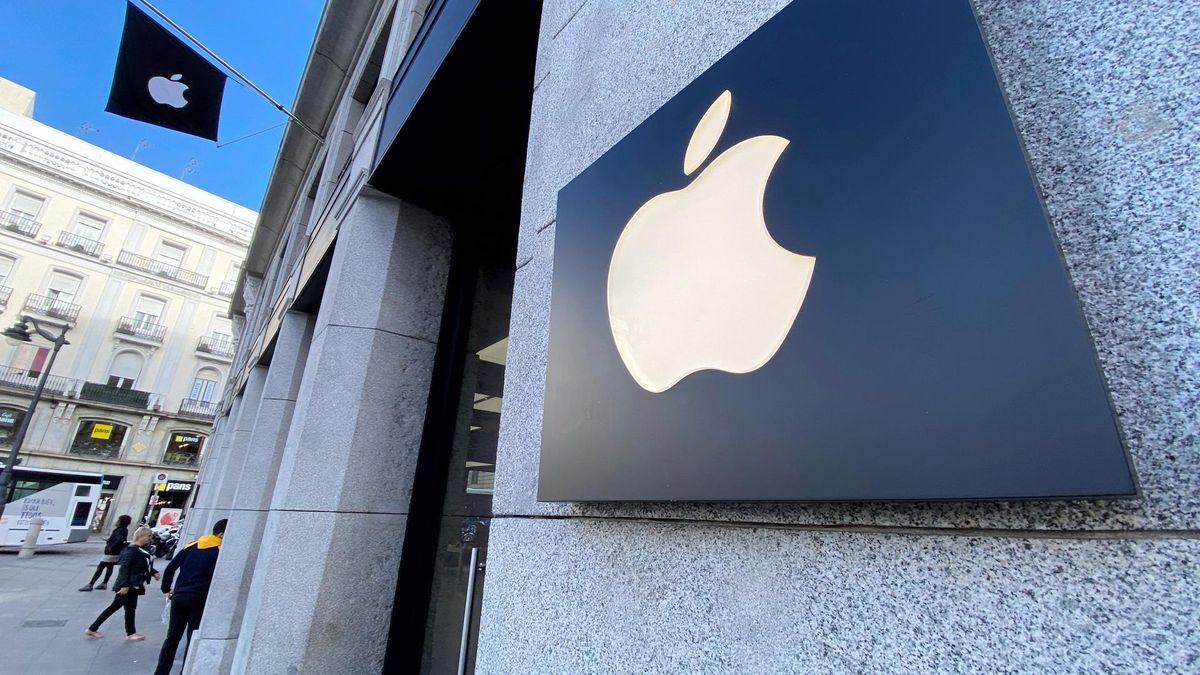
<point x="163" y="541"/>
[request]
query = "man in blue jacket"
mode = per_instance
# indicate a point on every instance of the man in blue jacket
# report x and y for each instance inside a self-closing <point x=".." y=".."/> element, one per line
<point x="195" y="565"/>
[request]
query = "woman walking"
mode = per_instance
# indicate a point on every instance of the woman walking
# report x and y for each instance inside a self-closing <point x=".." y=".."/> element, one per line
<point x="112" y="553"/>
<point x="137" y="568"/>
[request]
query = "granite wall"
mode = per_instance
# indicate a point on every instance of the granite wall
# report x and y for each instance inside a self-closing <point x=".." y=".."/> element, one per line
<point x="1106" y="96"/>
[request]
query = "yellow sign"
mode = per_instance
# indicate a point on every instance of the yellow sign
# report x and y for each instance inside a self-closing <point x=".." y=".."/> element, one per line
<point x="102" y="431"/>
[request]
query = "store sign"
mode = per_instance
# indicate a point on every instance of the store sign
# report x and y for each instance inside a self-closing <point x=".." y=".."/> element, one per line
<point x="8" y="418"/>
<point x="822" y="272"/>
<point x="181" y="438"/>
<point x="102" y="431"/>
<point x="173" y="486"/>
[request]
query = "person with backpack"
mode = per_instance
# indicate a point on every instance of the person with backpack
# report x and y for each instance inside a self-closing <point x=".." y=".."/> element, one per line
<point x="136" y="570"/>
<point x="112" y="553"/>
<point x="195" y="564"/>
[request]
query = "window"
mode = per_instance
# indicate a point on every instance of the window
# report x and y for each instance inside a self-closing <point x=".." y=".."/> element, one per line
<point x="99" y="438"/>
<point x="26" y="206"/>
<point x="126" y="369"/>
<point x="62" y="287"/>
<point x="30" y="359"/>
<point x="222" y="331"/>
<point x="88" y="227"/>
<point x="205" y="385"/>
<point x="10" y="419"/>
<point x="183" y="448"/>
<point x="6" y="267"/>
<point x="149" y="311"/>
<point x="170" y="255"/>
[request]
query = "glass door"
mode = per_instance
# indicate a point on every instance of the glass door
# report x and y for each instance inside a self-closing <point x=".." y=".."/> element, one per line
<point x="444" y="564"/>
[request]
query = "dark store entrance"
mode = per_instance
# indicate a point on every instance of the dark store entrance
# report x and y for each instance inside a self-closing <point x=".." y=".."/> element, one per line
<point x="454" y="143"/>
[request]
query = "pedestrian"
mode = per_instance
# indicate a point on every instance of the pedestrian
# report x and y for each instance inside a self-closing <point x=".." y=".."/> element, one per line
<point x="137" y="568"/>
<point x="112" y="553"/>
<point x="195" y="564"/>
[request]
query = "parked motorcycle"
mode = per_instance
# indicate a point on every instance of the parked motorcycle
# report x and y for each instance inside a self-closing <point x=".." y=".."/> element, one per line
<point x="163" y="541"/>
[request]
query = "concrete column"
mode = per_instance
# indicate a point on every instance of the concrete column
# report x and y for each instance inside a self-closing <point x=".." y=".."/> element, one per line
<point x="223" y="613"/>
<point x="239" y="441"/>
<point x="321" y="597"/>
<point x="210" y="471"/>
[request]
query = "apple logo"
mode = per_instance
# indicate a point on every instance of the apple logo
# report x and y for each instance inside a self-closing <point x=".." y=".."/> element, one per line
<point x="696" y="281"/>
<point x="168" y="92"/>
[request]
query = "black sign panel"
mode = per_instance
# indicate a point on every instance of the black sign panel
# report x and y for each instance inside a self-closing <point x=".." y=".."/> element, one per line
<point x="160" y="80"/>
<point x="822" y="272"/>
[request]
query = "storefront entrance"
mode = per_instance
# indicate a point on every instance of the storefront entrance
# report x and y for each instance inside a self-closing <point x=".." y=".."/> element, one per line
<point x="461" y="105"/>
<point x="108" y="492"/>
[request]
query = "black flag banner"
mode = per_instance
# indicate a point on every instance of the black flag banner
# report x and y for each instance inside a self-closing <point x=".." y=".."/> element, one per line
<point x="161" y="80"/>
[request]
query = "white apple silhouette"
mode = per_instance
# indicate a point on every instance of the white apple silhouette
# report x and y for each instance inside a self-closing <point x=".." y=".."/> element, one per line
<point x="168" y="92"/>
<point x="696" y="281"/>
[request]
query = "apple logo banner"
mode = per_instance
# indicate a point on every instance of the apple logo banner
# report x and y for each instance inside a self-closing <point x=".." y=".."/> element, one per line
<point x="168" y="91"/>
<point x="155" y="70"/>
<point x="698" y="351"/>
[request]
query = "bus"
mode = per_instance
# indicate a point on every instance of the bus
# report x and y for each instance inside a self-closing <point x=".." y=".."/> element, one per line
<point x="65" y="500"/>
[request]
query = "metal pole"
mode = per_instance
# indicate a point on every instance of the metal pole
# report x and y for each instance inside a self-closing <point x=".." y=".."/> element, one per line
<point x="6" y="477"/>
<point x="467" y="611"/>
<point x="243" y="78"/>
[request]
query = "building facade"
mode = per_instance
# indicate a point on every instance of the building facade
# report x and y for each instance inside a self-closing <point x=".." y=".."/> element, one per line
<point x="378" y="445"/>
<point x="139" y="268"/>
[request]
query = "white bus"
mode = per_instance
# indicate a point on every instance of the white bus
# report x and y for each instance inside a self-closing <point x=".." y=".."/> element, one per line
<point x="65" y="500"/>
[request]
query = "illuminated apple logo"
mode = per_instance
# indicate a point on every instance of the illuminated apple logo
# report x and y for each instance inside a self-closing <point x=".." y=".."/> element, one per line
<point x="168" y="92"/>
<point x="696" y="282"/>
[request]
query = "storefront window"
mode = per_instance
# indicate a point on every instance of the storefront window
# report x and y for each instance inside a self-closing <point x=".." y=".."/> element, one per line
<point x="10" y="419"/>
<point x="99" y="438"/>
<point x="468" y="427"/>
<point x="183" y="448"/>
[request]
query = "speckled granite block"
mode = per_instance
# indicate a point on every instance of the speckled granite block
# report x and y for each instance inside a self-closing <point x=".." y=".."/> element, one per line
<point x="587" y="596"/>
<point x="1106" y="97"/>
<point x="322" y="594"/>
<point x="357" y="423"/>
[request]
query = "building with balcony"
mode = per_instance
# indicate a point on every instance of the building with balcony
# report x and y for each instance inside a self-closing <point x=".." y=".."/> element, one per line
<point x="140" y="267"/>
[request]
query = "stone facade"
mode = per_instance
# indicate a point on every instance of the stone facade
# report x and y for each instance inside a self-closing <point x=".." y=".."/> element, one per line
<point x="319" y="489"/>
<point x="1106" y="111"/>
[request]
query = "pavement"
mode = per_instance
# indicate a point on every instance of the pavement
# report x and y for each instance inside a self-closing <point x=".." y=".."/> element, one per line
<point x="43" y="616"/>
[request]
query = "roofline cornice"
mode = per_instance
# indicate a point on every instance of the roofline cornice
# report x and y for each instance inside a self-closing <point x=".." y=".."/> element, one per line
<point x="62" y="164"/>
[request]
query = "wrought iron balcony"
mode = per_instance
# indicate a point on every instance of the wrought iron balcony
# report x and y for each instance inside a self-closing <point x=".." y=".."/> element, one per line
<point x="196" y="408"/>
<point x="5" y="294"/>
<point x="226" y="289"/>
<point x="80" y="244"/>
<point x="151" y="266"/>
<point x="143" y="329"/>
<point x="47" y="306"/>
<point x="20" y="224"/>
<point x="215" y="346"/>
<point x="23" y="378"/>
<point x="134" y="398"/>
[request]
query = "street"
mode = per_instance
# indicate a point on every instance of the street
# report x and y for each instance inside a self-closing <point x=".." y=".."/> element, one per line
<point x="43" y="616"/>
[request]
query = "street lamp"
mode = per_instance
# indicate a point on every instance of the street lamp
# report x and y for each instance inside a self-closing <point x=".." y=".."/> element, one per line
<point x="20" y="333"/>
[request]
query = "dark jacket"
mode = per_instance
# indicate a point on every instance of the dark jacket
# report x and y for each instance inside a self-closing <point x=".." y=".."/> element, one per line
<point x="116" y="541"/>
<point x="195" y="565"/>
<point x="137" y="568"/>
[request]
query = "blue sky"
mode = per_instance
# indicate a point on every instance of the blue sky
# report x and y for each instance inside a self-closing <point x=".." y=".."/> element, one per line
<point x="65" y="51"/>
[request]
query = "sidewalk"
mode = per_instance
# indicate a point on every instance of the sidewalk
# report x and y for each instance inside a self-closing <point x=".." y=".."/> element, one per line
<point x="43" y="616"/>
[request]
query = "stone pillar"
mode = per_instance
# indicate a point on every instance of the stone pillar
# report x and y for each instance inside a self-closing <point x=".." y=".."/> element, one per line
<point x="239" y="441"/>
<point x="321" y="597"/>
<point x="215" y="642"/>
<point x="211" y="471"/>
<point x="227" y="467"/>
